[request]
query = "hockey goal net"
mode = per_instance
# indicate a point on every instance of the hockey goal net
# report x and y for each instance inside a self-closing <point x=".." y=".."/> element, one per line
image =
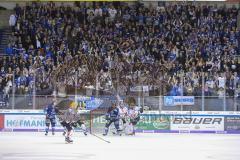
<point x="97" y="121"/>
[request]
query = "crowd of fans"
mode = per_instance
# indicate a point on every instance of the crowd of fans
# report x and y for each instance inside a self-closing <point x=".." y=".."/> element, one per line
<point x="171" y="49"/>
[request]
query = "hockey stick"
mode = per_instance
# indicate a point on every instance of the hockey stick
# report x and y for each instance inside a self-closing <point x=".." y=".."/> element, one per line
<point x="96" y="136"/>
<point x="100" y="138"/>
<point x="84" y="130"/>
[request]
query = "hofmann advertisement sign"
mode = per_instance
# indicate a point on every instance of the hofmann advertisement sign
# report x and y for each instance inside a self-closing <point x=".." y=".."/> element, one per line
<point x="178" y="100"/>
<point x="26" y="122"/>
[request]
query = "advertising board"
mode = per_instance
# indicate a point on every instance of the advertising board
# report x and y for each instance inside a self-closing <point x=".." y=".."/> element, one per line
<point x="178" y="100"/>
<point x="201" y="123"/>
<point x="232" y="123"/>
<point x="25" y="122"/>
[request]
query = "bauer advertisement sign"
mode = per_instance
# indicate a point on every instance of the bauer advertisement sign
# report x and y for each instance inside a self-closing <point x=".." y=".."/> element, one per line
<point x="198" y="123"/>
<point x="26" y="122"/>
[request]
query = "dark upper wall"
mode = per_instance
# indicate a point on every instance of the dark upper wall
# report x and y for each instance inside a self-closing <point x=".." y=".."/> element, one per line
<point x="10" y="5"/>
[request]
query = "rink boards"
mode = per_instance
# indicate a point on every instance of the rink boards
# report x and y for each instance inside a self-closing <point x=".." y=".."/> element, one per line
<point x="151" y="122"/>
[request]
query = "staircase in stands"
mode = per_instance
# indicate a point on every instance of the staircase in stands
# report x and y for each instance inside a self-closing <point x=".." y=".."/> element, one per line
<point x="5" y="30"/>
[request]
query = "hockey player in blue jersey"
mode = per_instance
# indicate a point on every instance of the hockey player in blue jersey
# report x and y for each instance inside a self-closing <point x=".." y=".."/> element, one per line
<point x="112" y="116"/>
<point x="50" y="118"/>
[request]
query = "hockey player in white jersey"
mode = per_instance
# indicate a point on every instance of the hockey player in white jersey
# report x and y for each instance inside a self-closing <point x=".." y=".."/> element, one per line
<point x="133" y="116"/>
<point x="123" y="111"/>
<point x="71" y="119"/>
<point x="67" y="120"/>
<point x="77" y="122"/>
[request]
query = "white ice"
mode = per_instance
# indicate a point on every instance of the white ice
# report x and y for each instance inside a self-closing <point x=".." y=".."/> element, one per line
<point x="148" y="146"/>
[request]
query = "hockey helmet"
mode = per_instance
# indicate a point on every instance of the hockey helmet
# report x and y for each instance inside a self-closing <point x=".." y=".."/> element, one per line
<point x="73" y="105"/>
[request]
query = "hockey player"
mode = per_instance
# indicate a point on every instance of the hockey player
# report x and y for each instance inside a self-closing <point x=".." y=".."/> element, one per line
<point x="123" y="111"/>
<point x="133" y="115"/>
<point x="72" y="119"/>
<point x="112" y="116"/>
<point x="50" y="118"/>
<point x="67" y="120"/>
<point x="77" y="122"/>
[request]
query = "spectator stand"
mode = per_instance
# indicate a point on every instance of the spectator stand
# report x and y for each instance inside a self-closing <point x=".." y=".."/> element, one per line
<point x="179" y="49"/>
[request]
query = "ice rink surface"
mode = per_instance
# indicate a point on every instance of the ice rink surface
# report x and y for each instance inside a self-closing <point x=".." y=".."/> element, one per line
<point x="148" y="146"/>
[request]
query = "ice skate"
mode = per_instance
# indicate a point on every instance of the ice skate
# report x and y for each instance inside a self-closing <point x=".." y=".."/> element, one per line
<point x="119" y="132"/>
<point x="68" y="140"/>
<point x="104" y="134"/>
